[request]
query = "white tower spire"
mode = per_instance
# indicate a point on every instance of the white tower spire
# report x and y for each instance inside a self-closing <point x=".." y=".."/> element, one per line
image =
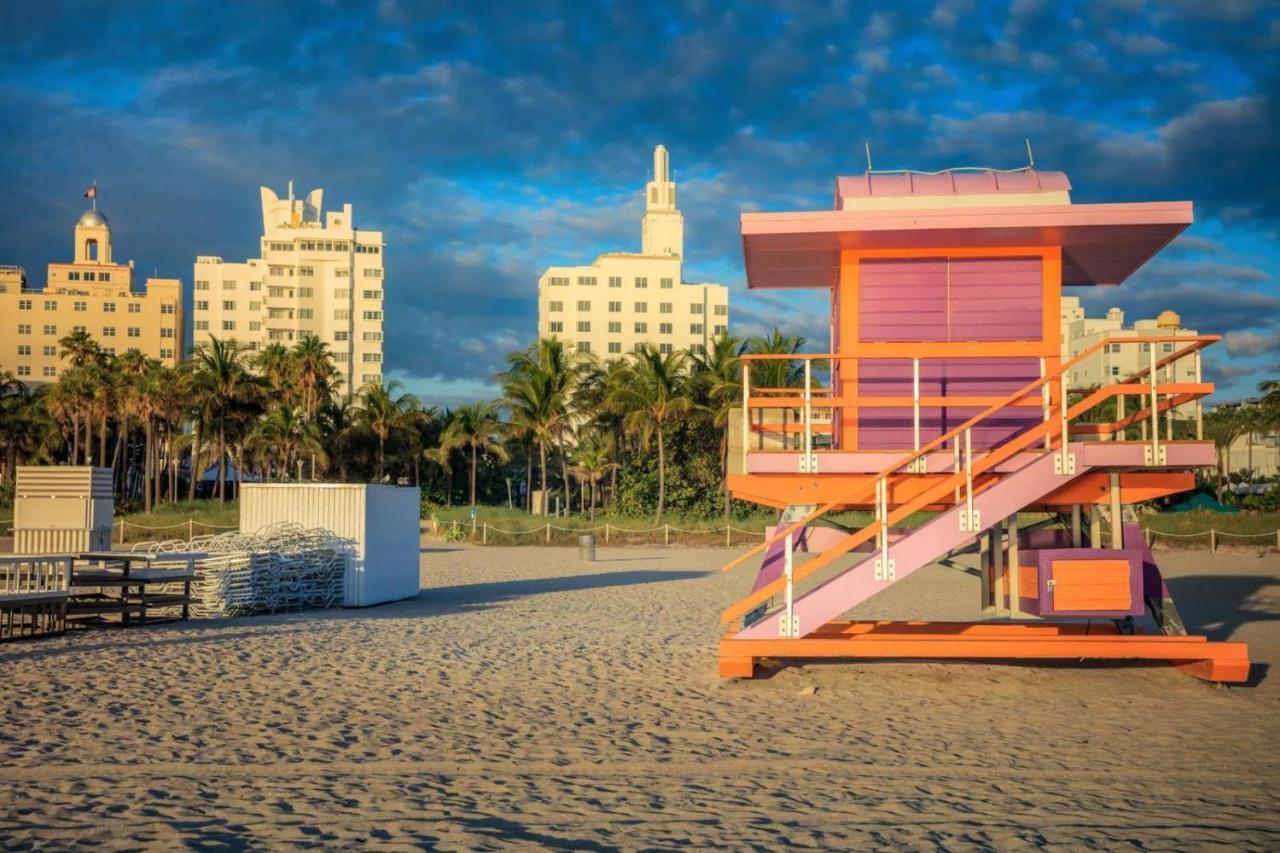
<point x="662" y="229"/>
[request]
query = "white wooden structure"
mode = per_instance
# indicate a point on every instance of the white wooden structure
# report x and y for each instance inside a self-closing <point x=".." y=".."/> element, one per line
<point x="62" y="509"/>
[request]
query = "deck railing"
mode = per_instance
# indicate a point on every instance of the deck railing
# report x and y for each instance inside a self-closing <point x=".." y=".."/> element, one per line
<point x="818" y="409"/>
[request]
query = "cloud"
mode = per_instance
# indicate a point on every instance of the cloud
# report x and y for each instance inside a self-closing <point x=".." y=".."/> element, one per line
<point x="1251" y="343"/>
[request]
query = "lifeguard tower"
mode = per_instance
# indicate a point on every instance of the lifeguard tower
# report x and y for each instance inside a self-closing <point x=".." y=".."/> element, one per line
<point x="945" y="391"/>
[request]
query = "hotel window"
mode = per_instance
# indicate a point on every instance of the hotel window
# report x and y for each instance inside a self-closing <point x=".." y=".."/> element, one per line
<point x="584" y="346"/>
<point x="166" y="353"/>
<point x="342" y="336"/>
<point x="51" y="305"/>
<point x="342" y="314"/>
<point x="166" y="333"/>
<point x="135" y="307"/>
<point x="109" y="350"/>
<point x="615" y="346"/>
<point x="666" y="284"/>
<point x="79" y="329"/>
<point x="167" y="308"/>
<point x="584" y="305"/>
<point x="90" y="276"/>
<point x="664" y="307"/>
<point x="373" y="294"/>
<point x="202" y="305"/>
<point x="255" y="306"/>
<point x="24" y="349"/>
<point x="584" y="325"/>
<point x="556" y="326"/>
<point x="305" y="292"/>
<point x="720" y="330"/>
<point x="615" y="307"/>
<point x="228" y="325"/>
<point x="555" y="306"/>
<point x="279" y="271"/>
<point x="1115" y="370"/>
<point x="306" y="271"/>
<point x="695" y="328"/>
<point x="664" y="328"/>
<point x="698" y="348"/>
<point x="615" y="327"/>
<point x="108" y="331"/>
<point x="587" y="280"/>
<point x="50" y="329"/>
<point x="276" y="293"/>
<point x="24" y="328"/>
<point x="373" y="336"/>
<point x="615" y="281"/>
<point x="202" y="285"/>
<point x="342" y="357"/>
<point x="255" y="285"/>
<point x="73" y="276"/>
<point x="1146" y="347"/>
<point x="342" y="272"/>
<point x="642" y="328"/>
<point x="371" y="378"/>
<point x="722" y="310"/>
<point x="255" y="325"/>
<point x="228" y="284"/>
<point x="695" y="308"/>
<point x="104" y="276"/>
<point x="372" y="357"/>
<point x="50" y="370"/>
<point x="24" y="370"/>
<point x="665" y="349"/>
<point x="558" y="281"/>
<point x="642" y="307"/>
<point x="642" y="282"/>
<point x="373" y="315"/>
<point x="135" y="332"/>
<point x="228" y="305"/>
<point x="24" y="304"/>
<point x="342" y="293"/>
<point x="201" y="325"/>
<point x="306" y="314"/>
<point x="1168" y="347"/>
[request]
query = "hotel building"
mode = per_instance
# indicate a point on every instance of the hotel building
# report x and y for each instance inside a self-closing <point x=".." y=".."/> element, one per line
<point x="313" y="276"/>
<point x="93" y="294"/>
<point x="623" y="299"/>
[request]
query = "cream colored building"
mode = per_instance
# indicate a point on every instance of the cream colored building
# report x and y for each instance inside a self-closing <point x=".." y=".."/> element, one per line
<point x="1116" y="361"/>
<point x="93" y="294"/>
<point x="316" y="274"/>
<point x="623" y="299"/>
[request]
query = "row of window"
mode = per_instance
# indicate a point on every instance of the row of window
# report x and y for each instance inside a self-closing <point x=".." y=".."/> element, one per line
<point x="614" y="281"/>
<point x="557" y="327"/>
<point x="615" y="348"/>
<point x="81" y="305"/>
<point x="640" y="307"/>
<point x="107" y="331"/>
<point x="1143" y="347"/>
<point x="87" y="275"/>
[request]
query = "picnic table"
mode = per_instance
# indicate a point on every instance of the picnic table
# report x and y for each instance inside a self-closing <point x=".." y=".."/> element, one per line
<point x="131" y="585"/>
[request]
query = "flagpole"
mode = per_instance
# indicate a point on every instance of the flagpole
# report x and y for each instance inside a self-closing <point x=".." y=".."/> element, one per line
<point x="95" y="193"/>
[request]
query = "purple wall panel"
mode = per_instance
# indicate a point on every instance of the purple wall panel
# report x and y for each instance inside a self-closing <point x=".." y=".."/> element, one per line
<point x="903" y="300"/>
<point x="995" y="299"/>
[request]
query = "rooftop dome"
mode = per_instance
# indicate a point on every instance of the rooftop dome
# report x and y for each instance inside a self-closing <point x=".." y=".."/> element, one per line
<point x="92" y="218"/>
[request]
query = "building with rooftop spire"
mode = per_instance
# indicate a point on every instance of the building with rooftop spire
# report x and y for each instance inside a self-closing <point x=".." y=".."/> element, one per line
<point x="91" y="293"/>
<point x="315" y="274"/>
<point x="622" y="299"/>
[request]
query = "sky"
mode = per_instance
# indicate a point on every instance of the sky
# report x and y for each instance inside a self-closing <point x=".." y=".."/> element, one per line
<point x="490" y="141"/>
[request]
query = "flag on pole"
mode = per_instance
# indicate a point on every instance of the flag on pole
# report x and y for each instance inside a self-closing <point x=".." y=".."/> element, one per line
<point x="92" y="192"/>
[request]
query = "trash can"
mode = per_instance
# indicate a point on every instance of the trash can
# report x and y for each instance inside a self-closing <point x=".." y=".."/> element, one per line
<point x="587" y="548"/>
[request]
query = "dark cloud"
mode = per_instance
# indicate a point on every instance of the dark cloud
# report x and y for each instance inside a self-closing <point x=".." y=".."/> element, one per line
<point x="491" y="140"/>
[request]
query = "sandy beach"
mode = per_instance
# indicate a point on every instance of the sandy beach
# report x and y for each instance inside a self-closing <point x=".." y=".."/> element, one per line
<point x="525" y="699"/>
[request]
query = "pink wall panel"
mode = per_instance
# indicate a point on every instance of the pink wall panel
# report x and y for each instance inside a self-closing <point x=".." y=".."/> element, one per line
<point x="903" y="300"/>
<point x="995" y="299"/>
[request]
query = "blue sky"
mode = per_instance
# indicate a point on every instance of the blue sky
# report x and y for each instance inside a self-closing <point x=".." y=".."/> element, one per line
<point x="489" y="141"/>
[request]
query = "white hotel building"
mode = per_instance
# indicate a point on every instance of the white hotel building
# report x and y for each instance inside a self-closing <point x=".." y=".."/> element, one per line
<point x="315" y="276"/>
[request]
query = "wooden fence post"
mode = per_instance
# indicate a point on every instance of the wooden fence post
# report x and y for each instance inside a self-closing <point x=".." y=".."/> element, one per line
<point x="1213" y="540"/>
<point x="485" y="534"/>
<point x="548" y="533"/>
<point x="122" y="531"/>
<point x="191" y="529"/>
<point x="1278" y="538"/>
<point x="606" y="533"/>
<point x="666" y="534"/>
<point x="728" y="530"/>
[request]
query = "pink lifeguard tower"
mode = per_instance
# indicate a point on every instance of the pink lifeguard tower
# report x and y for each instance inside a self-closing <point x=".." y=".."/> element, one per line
<point x="948" y="393"/>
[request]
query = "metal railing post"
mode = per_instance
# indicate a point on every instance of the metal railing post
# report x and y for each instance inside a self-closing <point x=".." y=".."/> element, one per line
<point x="969" y="519"/>
<point x="789" y="625"/>
<point x="915" y="403"/>
<point x="746" y="412"/>
<point x="1155" y="409"/>
<point x="1199" y="402"/>
<point x="808" y="415"/>
<point x="1168" y="419"/>
<point x="1044" y="404"/>
<point x="1066" y="463"/>
<point x="884" y="566"/>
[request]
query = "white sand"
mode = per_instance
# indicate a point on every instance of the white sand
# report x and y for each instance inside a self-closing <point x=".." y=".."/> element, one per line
<point x="527" y="700"/>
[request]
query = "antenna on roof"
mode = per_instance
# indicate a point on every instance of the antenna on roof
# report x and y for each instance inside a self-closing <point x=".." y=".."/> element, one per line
<point x="1031" y="161"/>
<point x="867" y="145"/>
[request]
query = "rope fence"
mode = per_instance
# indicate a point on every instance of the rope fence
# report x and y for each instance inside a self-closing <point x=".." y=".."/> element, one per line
<point x="549" y="533"/>
<point x="189" y="525"/>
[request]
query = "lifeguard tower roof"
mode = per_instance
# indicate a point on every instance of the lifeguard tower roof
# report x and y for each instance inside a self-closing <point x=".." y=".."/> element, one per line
<point x="1102" y="244"/>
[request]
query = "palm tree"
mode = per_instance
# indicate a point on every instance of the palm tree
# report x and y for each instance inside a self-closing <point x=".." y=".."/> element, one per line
<point x="651" y="395"/>
<point x="539" y="387"/>
<point x="442" y="455"/>
<point x="477" y="426"/>
<point x="234" y="394"/>
<point x="1223" y="427"/>
<point x="718" y="374"/>
<point x="79" y="349"/>
<point x="150" y="394"/>
<point x="592" y="461"/>
<point x="776" y="373"/>
<point x="283" y="434"/>
<point x="17" y="423"/>
<point x="275" y="366"/>
<point x="382" y="411"/>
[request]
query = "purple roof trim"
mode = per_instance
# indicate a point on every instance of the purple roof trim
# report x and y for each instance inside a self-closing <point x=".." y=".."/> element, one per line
<point x="948" y="183"/>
